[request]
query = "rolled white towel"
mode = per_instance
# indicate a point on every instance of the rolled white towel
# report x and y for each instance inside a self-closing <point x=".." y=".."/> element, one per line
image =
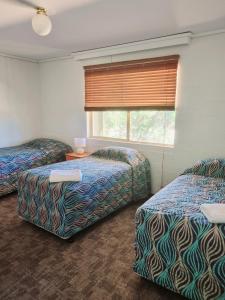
<point x="65" y="175"/>
<point x="215" y="213"/>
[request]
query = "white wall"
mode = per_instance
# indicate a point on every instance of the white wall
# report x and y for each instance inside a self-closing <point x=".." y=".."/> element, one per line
<point x="62" y="100"/>
<point x="19" y="101"/>
<point x="200" y="111"/>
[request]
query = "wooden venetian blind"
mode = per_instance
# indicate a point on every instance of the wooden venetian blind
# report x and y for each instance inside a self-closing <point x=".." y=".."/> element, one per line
<point x="139" y="84"/>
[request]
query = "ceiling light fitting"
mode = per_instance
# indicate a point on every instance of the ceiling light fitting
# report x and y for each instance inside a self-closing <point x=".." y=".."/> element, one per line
<point x="41" y="23"/>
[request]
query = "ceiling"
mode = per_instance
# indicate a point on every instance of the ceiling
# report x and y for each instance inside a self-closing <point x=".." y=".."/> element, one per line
<point x="87" y="24"/>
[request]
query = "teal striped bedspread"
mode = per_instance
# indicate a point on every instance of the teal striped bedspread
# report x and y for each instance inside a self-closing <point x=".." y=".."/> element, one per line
<point x="111" y="178"/>
<point x="29" y="155"/>
<point x="176" y="247"/>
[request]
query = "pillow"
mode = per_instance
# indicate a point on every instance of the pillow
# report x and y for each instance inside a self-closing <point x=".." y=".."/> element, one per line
<point x="123" y="154"/>
<point x="48" y="145"/>
<point x="41" y="143"/>
<point x="210" y="168"/>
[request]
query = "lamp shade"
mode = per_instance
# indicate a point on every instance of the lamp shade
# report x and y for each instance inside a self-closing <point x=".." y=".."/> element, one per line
<point x="80" y="142"/>
<point x="41" y="24"/>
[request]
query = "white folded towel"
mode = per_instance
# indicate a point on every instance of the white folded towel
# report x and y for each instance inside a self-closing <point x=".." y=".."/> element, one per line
<point x="215" y="213"/>
<point x="65" y="175"/>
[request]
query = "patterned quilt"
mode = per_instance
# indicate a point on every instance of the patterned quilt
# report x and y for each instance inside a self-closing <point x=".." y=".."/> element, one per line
<point x="30" y="155"/>
<point x="176" y="247"/>
<point x="112" y="178"/>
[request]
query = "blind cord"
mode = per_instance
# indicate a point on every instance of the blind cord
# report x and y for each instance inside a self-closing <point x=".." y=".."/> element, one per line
<point x="164" y="139"/>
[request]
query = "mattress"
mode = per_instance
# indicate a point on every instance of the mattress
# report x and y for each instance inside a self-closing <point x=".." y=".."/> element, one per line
<point x="29" y="155"/>
<point x="176" y="247"/>
<point x="110" y="180"/>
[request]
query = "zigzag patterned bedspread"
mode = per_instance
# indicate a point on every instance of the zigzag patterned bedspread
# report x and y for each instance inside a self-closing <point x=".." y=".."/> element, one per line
<point x="30" y="155"/>
<point x="111" y="179"/>
<point x="176" y="247"/>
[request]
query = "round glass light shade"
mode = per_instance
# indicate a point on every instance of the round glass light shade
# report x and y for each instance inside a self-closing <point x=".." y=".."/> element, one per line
<point x="41" y="24"/>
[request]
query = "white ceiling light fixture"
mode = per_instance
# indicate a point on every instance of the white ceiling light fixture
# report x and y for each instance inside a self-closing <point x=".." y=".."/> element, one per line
<point x="41" y="23"/>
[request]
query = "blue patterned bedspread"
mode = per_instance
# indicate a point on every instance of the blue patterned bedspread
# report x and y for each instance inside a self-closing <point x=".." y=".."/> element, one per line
<point x="176" y="246"/>
<point x="111" y="179"/>
<point x="30" y="155"/>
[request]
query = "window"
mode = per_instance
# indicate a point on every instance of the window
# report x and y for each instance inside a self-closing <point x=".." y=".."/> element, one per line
<point x="133" y="101"/>
<point x="110" y="124"/>
<point x="148" y="126"/>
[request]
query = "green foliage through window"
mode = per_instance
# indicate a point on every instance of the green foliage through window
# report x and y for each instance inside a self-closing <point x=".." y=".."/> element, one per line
<point x="138" y="126"/>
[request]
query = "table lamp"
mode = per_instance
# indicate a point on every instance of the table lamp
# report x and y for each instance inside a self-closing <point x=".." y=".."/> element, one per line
<point x="80" y="144"/>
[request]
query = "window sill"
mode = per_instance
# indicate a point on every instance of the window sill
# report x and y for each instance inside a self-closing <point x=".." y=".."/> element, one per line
<point x="123" y="141"/>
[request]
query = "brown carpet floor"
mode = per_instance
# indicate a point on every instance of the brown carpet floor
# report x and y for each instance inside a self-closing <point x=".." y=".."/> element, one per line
<point x="35" y="264"/>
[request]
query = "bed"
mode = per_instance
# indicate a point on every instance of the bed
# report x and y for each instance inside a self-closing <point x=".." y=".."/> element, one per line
<point x="176" y="246"/>
<point x="33" y="154"/>
<point x="112" y="177"/>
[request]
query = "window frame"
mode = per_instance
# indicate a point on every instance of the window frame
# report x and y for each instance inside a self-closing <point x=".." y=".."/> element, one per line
<point x="127" y="139"/>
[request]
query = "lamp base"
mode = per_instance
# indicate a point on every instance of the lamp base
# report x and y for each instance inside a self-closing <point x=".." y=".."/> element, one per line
<point x="80" y="150"/>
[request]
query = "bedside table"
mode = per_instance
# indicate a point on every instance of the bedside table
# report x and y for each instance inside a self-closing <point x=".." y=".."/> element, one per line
<point x="74" y="155"/>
